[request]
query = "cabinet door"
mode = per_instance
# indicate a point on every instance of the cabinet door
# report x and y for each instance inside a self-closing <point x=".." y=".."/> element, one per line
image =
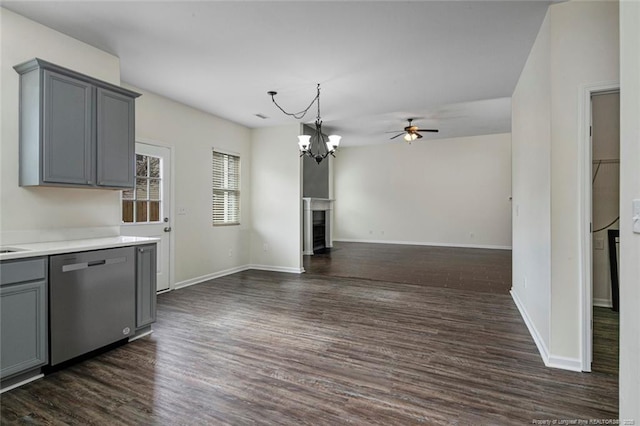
<point x="67" y="132"/>
<point x="115" y="139"/>
<point x="23" y="310"/>
<point x="146" y="285"/>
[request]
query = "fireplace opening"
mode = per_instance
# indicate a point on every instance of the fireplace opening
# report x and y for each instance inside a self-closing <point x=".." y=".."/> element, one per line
<point x="319" y="227"/>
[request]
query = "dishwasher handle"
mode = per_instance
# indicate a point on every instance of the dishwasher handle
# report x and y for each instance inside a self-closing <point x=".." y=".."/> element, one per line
<point x="84" y="265"/>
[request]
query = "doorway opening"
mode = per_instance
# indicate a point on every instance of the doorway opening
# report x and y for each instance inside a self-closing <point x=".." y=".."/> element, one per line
<point x="601" y="184"/>
<point x="146" y="209"/>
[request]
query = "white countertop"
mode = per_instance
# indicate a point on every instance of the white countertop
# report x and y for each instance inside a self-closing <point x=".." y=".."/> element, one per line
<point x="71" y="246"/>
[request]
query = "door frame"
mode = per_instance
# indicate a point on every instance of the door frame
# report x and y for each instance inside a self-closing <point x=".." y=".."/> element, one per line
<point x="585" y="217"/>
<point x="172" y="209"/>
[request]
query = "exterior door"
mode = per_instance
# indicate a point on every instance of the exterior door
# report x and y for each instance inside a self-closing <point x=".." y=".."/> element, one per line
<point x="146" y="208"/>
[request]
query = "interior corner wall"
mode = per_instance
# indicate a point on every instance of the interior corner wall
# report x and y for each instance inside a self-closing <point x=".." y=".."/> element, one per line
<point x="629" y="190"/>
<point x="30" y="211"/>
<point x="584" y="37"/>
<point x="276" y="201"/>
<point x="531" y="164"/>
<point x="582" y="48"/>
<point x="201" y="249"/>
<point x="451" y="192"/>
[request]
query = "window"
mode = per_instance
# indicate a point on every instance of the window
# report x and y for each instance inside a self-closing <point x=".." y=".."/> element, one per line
<point x="142" y="204"/>
<point x="226" y="189"/>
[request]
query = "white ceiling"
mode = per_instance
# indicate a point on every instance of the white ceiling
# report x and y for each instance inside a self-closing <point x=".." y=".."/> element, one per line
<point x="453" y="64"/>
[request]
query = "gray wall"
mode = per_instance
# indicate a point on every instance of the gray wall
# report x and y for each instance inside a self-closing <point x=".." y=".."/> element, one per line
<point x="315" y="181"/>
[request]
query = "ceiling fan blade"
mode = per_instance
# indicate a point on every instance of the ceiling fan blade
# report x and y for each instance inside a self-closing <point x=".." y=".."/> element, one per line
<point x="418" y="135"/>
<point x="428" y="130"/>
<point x="394" y="131"/>
<point x="399" y="134"/>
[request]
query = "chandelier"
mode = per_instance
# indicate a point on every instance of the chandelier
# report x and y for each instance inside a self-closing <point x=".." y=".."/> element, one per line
<point x="314" y="146"/>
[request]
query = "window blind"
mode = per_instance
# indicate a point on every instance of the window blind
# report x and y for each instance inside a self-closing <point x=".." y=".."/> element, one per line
<point x="226" y="189"/>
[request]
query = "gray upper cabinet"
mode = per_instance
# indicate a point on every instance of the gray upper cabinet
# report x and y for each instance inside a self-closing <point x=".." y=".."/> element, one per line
<point x="74" y="130"/>
<point x="68" y="138"/>
<point x="116" y="139"/>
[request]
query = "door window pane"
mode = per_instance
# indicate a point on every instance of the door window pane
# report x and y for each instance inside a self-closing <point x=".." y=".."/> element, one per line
<point x="135" y="205"/>
<point x="141" y="211"/>
<point x="154" y="211"/>
<point x="127" y="211"/>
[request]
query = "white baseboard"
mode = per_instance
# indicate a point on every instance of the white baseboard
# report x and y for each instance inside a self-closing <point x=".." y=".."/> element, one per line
<point x="542" y="348"/>
<point x="553" y="361"/>
<point x="207" y="277"/>
<point x="286" y="269"/>
<point x="203" y="278"/>
<point x="602" y="303"/>
<point x="423" y="243"/>
<point x="564" y="363"/>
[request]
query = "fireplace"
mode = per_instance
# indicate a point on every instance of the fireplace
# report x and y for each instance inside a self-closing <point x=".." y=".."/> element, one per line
<point x="317" y="224"/>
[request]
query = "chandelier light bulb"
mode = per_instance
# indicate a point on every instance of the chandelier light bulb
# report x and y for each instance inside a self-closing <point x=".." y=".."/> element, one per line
<point x="334" y="142"/>
<point x="303" y="142"/>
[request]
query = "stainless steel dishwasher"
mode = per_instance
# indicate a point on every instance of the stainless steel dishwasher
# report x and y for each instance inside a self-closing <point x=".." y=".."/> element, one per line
<point x="91" y="301"/>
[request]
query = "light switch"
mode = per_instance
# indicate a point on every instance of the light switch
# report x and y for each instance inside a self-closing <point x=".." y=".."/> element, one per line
<point x="598" y="244"/>
<point x="636" y="216"/>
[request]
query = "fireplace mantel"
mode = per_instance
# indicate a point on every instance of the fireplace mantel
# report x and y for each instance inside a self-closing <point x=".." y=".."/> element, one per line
<point x="316" y="204"/>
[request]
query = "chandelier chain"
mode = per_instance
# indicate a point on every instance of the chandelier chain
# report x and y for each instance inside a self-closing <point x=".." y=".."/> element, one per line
<point x="298" y="115"/>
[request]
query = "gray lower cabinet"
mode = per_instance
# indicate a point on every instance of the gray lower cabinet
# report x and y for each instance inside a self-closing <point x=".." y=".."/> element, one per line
<point x="23" y="316"/>
<point x="74" y="130"/>
<point x="145" y="285"/>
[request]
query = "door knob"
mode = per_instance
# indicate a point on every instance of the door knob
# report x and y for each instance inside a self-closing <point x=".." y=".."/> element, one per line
<point x="167" y="229"/>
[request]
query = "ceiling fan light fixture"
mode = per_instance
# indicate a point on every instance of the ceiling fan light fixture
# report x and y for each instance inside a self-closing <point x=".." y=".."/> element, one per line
<point x="410" y="137"/>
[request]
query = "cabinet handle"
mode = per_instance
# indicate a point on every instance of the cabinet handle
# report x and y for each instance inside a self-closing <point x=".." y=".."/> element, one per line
<point x="141" y="250"/>
<point x="167" y="229"/>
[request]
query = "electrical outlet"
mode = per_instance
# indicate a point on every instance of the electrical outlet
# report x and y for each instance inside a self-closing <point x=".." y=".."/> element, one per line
<point x="265" y="247"/>
<point x="182" y="211"/>
<point x="525" y="282"/>
<point x="230" y="252"/>
<point x="471" y="235"/>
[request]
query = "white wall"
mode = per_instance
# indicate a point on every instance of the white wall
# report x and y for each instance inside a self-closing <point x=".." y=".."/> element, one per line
<point x="201" y="250"/>
<point x="584" y="50"/>
<point x="577" y="46"/>
<point x="30" y="214"/>
<point x="531" y="157"/>
<point x="442" y="192"/>
<point x="629" y="190"/>
<point x="276" y="202"/>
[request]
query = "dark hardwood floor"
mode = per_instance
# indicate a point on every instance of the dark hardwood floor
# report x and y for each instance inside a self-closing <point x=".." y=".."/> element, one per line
<point x="284" y="349"/>
<point x="480" y="270"/>
<point x="606" y="340"/>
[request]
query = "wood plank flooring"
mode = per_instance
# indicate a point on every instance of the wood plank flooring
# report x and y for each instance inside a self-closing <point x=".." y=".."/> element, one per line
<point x="284" y="349"/>
<point x="469" y="269"/>
<point x="606" y="340"/>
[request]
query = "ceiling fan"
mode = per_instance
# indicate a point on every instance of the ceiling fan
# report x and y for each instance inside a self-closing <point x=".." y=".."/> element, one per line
<point x="411" y="132"/>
